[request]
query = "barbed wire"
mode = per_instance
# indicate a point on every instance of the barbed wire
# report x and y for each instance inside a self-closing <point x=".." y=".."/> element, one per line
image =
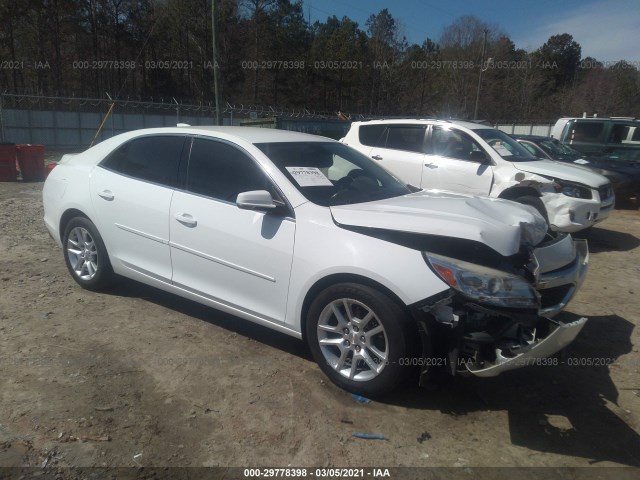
<point x="207" y="108"/>
<point x="173" y="104"/>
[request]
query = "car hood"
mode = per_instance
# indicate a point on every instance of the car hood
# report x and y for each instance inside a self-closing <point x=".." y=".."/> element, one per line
<point x="500" y="224"/>
<point x="562" y="171"/>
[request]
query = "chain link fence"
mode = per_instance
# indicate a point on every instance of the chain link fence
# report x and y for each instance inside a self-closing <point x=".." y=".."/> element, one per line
<point x="71" y="123"/>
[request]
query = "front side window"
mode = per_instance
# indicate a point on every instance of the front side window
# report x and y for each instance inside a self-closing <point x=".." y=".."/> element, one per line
<point x="151" y="158"/>
<point x="329" y="173"/>
<point x="222" y="171"/>
<point x="452" y="143"/>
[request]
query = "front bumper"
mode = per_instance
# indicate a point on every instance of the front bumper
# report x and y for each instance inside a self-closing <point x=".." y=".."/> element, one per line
<point x="556" y="283"/>
<point x="536" y="353"/>
<point x="568" y="214"/>
<point x="486" y="341"/>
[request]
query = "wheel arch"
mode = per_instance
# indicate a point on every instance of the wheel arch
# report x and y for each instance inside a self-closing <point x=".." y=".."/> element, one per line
<point x="67" y="216"/>
<point x="514" y="192"/>
<point x="336" y="278"/>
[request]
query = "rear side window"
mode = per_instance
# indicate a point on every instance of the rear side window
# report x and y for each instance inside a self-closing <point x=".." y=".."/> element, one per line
<point x="152" y="159"/>
<point x="406" y="137"/>
<point x="586" y="131"/>
<point x="372" y="135"/>
<point x="621" y="133"/>
<point x="221" y="171"/>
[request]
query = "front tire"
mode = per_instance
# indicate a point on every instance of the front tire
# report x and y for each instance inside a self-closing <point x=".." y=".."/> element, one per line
<point x="360" y="338"/>
<point x="85" y="254"/>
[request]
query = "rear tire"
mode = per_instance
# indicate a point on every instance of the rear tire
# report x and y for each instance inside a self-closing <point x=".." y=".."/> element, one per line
<point x="85" y="254"/>
<point x="361" y="339"/>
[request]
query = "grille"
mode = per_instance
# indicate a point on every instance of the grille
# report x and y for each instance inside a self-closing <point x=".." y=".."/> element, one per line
<point x="553" y="296"/>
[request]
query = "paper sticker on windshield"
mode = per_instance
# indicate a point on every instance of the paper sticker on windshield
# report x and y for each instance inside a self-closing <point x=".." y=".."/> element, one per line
<point x="309" y="177"/>
<point x="502" y="150"/>
<point x="581" y="161"/>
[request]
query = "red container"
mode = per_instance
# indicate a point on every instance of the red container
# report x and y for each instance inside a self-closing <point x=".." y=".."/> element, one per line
<point x="31" y="162"/>
<point x="50" y="167"/>
<point x="8" y="171"/>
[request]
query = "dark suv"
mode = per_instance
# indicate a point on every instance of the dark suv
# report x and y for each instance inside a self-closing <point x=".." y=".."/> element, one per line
<point x="615" y="138"/>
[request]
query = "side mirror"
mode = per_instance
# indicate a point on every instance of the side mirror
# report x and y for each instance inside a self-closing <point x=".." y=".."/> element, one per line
<point x="479" y="156"/>
<point x="255" y="200"/>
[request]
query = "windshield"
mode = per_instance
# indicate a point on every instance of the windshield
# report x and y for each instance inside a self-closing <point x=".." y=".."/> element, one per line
<point x="329" y="173"/>
<point x="507" y="147"/>
<point x="556" y="149"/>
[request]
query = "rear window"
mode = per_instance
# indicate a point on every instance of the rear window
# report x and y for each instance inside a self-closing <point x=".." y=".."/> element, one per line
<point x="372" y="135"/>
<point x="152" y="158"/>
<point x="586" y="131"/>
<point x="406" y="137"/>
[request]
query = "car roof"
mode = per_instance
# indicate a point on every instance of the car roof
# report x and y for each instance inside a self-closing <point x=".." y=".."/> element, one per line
<point x="426" y="121"/>
<point x="248" y="134"/>
<point x="601" y="119"/>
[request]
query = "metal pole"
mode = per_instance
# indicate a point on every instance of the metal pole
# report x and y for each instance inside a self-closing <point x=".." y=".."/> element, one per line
<point x="216" y="89"/>
<point x="177" y="110"/>
<point x="484" y="46"/>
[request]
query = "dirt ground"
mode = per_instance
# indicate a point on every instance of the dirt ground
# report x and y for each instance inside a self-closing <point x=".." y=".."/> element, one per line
<point x="135" y="377"/>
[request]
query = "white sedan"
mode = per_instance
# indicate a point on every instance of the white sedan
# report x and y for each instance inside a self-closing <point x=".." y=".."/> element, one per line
<point x="311" y="238"/>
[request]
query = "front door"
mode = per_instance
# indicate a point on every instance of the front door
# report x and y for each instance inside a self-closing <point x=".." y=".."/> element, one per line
<point x="452" y="166"/>
<point x="239" y="258"/>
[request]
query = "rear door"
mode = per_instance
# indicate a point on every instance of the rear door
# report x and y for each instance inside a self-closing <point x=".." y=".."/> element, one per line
<point x="131" y="192"/>
<point x="401" y="151"/>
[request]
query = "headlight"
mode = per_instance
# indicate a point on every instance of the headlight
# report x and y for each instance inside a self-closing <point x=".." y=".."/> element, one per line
<point x="573" y="190"/>
<point x="485" y="285"/>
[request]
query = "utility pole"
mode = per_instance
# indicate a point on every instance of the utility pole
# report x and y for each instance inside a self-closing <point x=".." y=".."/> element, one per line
<point x="484" y="46"/>
<point x="216" y="89"/>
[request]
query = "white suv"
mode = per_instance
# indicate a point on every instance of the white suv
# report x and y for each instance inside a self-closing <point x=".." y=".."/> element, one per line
<point x="472" y="158"/>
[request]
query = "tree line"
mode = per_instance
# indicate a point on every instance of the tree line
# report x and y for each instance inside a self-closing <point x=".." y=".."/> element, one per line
<point x="269" y="53"/>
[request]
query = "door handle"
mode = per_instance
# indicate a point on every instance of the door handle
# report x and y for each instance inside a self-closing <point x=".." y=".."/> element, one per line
<point x="186" y="219"/>
<point x="431" y="165"/>
<point x="376" y="157"/>
<point x="106" y="194"/>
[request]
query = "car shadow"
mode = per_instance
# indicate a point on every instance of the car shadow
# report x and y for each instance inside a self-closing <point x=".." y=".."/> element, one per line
<point x="603" y="240"/>
<point x="559" y="409"/>
<point x="130" y="288"/>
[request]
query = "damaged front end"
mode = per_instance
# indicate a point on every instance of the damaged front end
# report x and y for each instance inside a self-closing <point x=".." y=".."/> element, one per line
<point x="498" y="319"/>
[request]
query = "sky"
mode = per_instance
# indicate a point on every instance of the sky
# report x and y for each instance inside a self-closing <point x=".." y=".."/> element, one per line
<point x="606" y="30"/>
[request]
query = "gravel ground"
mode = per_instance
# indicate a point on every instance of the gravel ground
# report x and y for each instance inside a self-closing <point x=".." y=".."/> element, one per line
<point x="135" y="377"/>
